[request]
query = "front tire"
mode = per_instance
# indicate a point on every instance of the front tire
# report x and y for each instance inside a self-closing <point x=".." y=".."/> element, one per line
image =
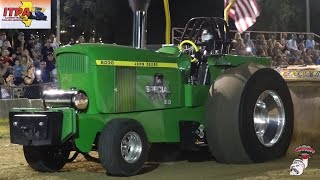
<point x="249" y="116"/>
<point x="123" y="147"/>
<point x="46" y="158"/>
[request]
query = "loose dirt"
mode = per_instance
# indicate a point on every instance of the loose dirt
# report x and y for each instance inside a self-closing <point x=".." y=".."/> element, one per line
<point x="14" y="166"/>
<point x="192" y="166"/>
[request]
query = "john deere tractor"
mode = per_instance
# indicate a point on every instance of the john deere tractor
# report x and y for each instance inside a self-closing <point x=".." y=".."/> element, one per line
<point x="120" y="100"/>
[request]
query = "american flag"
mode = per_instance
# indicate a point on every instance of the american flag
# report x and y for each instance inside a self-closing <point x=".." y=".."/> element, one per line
<point x="244" y="13"/>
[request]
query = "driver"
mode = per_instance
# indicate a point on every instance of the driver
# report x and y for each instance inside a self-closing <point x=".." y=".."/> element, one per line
<point x="206" y="36"/>
<point x="207" y="40"/>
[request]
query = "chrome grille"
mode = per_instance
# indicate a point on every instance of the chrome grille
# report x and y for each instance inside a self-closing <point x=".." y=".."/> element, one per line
<point x="73" y="63"/>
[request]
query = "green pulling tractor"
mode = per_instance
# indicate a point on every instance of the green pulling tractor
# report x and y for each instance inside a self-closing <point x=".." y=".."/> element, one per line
<point x="120" y="100"/>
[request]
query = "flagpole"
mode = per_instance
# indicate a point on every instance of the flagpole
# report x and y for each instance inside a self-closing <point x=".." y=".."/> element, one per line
<point x="227" y="9"/>
<point x="58" y="22"/>
<point x="308" y="15"/>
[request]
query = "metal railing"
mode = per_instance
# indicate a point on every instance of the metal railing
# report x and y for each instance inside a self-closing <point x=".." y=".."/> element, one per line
<point x="27" y="91"/>
<point x="177" y="33"/>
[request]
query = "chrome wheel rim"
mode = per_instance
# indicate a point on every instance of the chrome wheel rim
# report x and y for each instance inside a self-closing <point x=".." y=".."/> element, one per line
<point x="131" y="147"/>
<point x="269" y="118"/>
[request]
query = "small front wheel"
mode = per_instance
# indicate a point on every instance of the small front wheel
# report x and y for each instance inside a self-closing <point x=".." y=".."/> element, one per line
<point x="123" y="147"/>
<point x="46" y="158"/>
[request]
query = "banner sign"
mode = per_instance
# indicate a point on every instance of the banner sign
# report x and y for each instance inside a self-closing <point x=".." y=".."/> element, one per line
<point x="298" y="73"/>
<point x="25" y="14"/>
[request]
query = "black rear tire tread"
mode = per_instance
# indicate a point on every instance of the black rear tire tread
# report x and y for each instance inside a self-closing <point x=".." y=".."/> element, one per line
<point x="229" y="115"/>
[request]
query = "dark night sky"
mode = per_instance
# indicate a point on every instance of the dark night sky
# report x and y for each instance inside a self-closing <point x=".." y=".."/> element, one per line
<point x="181" y="12"/>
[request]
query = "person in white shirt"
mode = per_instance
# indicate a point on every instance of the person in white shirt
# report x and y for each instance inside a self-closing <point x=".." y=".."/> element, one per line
<point x="292" y="43"/>
<point x="53" y="42"/>
<point x="3" y="37"/>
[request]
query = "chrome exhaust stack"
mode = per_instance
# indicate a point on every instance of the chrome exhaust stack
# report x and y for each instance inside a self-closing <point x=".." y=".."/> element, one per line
<point x="139" y="9"/>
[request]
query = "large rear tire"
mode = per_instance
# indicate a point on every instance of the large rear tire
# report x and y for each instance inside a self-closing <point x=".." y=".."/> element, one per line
<point x="123" y="147"/>
<point x="249" y="115"/>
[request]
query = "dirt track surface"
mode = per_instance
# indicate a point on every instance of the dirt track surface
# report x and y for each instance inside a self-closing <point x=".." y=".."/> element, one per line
<point x="14" y="166"/>
<point x="306" y="131"/>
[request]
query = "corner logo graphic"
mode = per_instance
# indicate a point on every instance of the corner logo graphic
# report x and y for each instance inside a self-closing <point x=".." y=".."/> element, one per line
<point x="299" y="165"/>
<point x="25" y="13"/>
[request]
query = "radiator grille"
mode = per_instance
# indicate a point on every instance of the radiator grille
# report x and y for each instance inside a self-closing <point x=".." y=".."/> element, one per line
<point x="126" y="89"/>
<point x="73" y="63"/>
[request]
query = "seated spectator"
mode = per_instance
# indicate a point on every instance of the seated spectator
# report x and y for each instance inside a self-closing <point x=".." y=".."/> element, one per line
<point x="318" y="61"/>
<point x="46" y="49"/>
<point x="2" y="72"/>
<point x="280" y="61"/>
<point x="240" y="48"/>
<point x="283" y="45"/>
<point x="53" y="42"/>
<point x="285" y="37"/>
<point x="54" y="74"/>
<point x="262" y="53"/>
<point x="18" y="53"/>
<point x="300" y="39"/>
<point x="249" y="45"/>
<point x="20" y="42"/>
<point x="45" y="74"/>
<point x="25" y="64"/>
<point x="7" y="66"/>
<point x="261" y="45"/>
<point x="270" y="48"/>
<point x="273" y="39"/>
<point x="17" y="72"/>
<point x="81" y="40"/>
<point x="6" y="59"/>
<point x="277" y="46"/>
<point x="3" y="38"/>
<point x="296" y="57"/>
<point x="32" y="90"/>
<point x="71" y="41"/>
<point x="233" y="51"/>
<point x="92" y="40"/>
<point x="314" y="54"/>
<point x="31" y="52"/>
<point x="301" y="47"/>
<point x="308" y="57"/>
<point x="292" y="43"/>
<point x="6" y="46"/>
<point x="287" y="57"/>
<point x="37" y="46"/>
<point x="7" y="84"/>
<point x="310" y="42"/>
<point x="50" y="61"/>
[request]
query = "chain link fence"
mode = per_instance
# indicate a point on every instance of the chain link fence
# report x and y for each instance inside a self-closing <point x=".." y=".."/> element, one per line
<point x="26" y="91"/>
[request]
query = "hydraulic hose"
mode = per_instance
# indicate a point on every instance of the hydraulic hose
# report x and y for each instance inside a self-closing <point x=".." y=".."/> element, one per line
<point x="192" y="44"/>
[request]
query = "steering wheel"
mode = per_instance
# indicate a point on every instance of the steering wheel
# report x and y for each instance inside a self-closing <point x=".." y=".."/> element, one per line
<point x="192" y="44"/>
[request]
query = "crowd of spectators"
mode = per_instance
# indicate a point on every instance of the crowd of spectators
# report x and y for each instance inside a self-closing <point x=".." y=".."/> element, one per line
<point x="27" y="62"/>
<point x="284" y="50"/>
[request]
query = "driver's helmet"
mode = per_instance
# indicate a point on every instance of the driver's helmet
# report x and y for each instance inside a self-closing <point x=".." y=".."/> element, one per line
<point x="206" y="36"/>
